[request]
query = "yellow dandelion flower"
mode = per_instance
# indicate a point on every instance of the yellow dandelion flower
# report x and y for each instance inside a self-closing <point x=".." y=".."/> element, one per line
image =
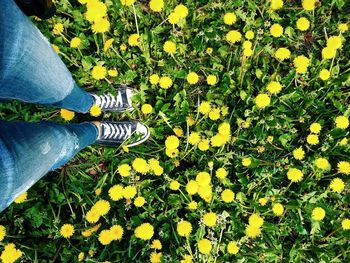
<point x="249" y="35"/>
<point x="105" y="237"/>
<point x="345" y="223"/>
<point x="127" y="2"/>
<point x="227" y="196"/>
<point x="230" y="18"/>
<point x="169" y="47"/>
<point x="81" y="256"/>
<point x="325" y="74"/>
<point x="67" y="230"/>
<point x="139" y="201"/>
<point x="309" y="5"/>
<point x="174" y="18"/>
<point x="99" y="72"/>
<point x="204" y="107"/>
<point x="129" y="192"/>
<point x="2" y="232"/>
<point x="21" y="198"/>
<point x="209" y="219"/>
<point x="184" y="228"/>
<point x="124" y="170"/>
<point x="274" y="87"/>
<point x="156" y="257"/>
<point x="343" y="27"/>
<point x="172" y="142"/>
<point x="322" y="163"/>
<point x="233" y="36"/>
<point x="262" y="201"/>
<point x="232" y="248"/>
<point x="337" y="185"/>
<point x="276" y="30"/>
<point x="178" y="131"/>
<point x="204" y="246"/>
<point x="117" y="232"/>
<point x="156" y="5"/>
<point x="102" y="207"/>
<point x="174" y="185"/>
<point x="318" y="213"/>
<point x="299" y="153"/>
<point x="221" y="173"/>
<point x="100" y="25"/>
<point x="140" y="165"/>
<point x="165" y="82"/>
<point x="108" y="44"/>
<point x="75" y="42"/>
<point x="211" y="80"/>
<point x="282" y="53"/>
<point x="95" y="10"/>
<point x="146" y="108"/>
<point x="156" y="244"/>
<point x="192" y="187"/>
<point x="344" y="167"/>
<point x="145" y="231"/>
<point x="328" y="53"/>
<point x="276" y="4"/>
<point x="95" y="111"/>
<point x="154" y="79"/>
<point x="252" y="231"/>
<point x="312" y="139"/>
<point x="255" y="220"/>
<point x="295" y="175"/>
<point x="262" y="100"/>
<point x="203" y="178"/>
<point x="116" y="192"/>
<point x="56" y="48"/>
<point x="192" y="78"/>
<point x="193" y="205"/>
<point x="301" y="64"/>
<point x="10" y="254"/>
<point x="113" y="72"/>
<point x="303" y="24"/>
<point x="278" y="209"/>
<point x="181" y="11"/>
<point x="214" y="114"/>
<point x="342" y="122"/>
<point x="246" y="161"/>
<point x="134" y="40"/>
<point x="58" y="29"/>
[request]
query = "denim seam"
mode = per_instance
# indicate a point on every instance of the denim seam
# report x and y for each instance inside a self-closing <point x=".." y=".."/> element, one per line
<point x="11" y="65"/>
<point x="11" y="172"/>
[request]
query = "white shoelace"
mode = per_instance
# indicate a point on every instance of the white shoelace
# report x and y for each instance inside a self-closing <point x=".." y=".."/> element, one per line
<point x="109" y="101"/>
<point x="116" y="131"/>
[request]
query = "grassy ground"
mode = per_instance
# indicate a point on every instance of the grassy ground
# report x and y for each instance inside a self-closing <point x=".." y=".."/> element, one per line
<point x="258" y="153"/>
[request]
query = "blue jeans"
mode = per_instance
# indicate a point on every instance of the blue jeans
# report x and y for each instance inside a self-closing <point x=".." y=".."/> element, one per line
<point x="31" y="71"/>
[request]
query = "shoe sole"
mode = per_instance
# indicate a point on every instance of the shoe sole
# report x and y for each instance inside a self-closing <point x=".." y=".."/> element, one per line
<point x="145" y="138"/>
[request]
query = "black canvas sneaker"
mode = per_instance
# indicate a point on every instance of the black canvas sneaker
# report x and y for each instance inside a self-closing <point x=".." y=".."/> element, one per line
<point x="117" y="103"/>
<point x="131" y="133"/>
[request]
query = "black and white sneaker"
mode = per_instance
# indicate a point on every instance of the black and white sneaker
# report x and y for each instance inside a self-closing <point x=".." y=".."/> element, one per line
<point x="116" y="103"/>
<point x="116" y="133"/>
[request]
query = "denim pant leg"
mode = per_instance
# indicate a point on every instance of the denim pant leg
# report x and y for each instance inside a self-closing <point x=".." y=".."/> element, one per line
<point x="28" y="151"/>
<point x="30" y="70"/>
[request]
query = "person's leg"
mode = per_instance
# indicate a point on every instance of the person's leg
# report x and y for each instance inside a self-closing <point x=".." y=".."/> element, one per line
<point x="28" y="151"/>
<point x="30" y="70"/>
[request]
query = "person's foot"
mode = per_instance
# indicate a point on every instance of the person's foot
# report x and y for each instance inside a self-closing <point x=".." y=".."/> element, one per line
<point x="116" y="103"/>
<point x="116" y="133"/>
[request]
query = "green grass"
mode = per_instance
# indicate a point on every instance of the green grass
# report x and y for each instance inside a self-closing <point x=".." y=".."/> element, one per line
<point x="65" y="196"/>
